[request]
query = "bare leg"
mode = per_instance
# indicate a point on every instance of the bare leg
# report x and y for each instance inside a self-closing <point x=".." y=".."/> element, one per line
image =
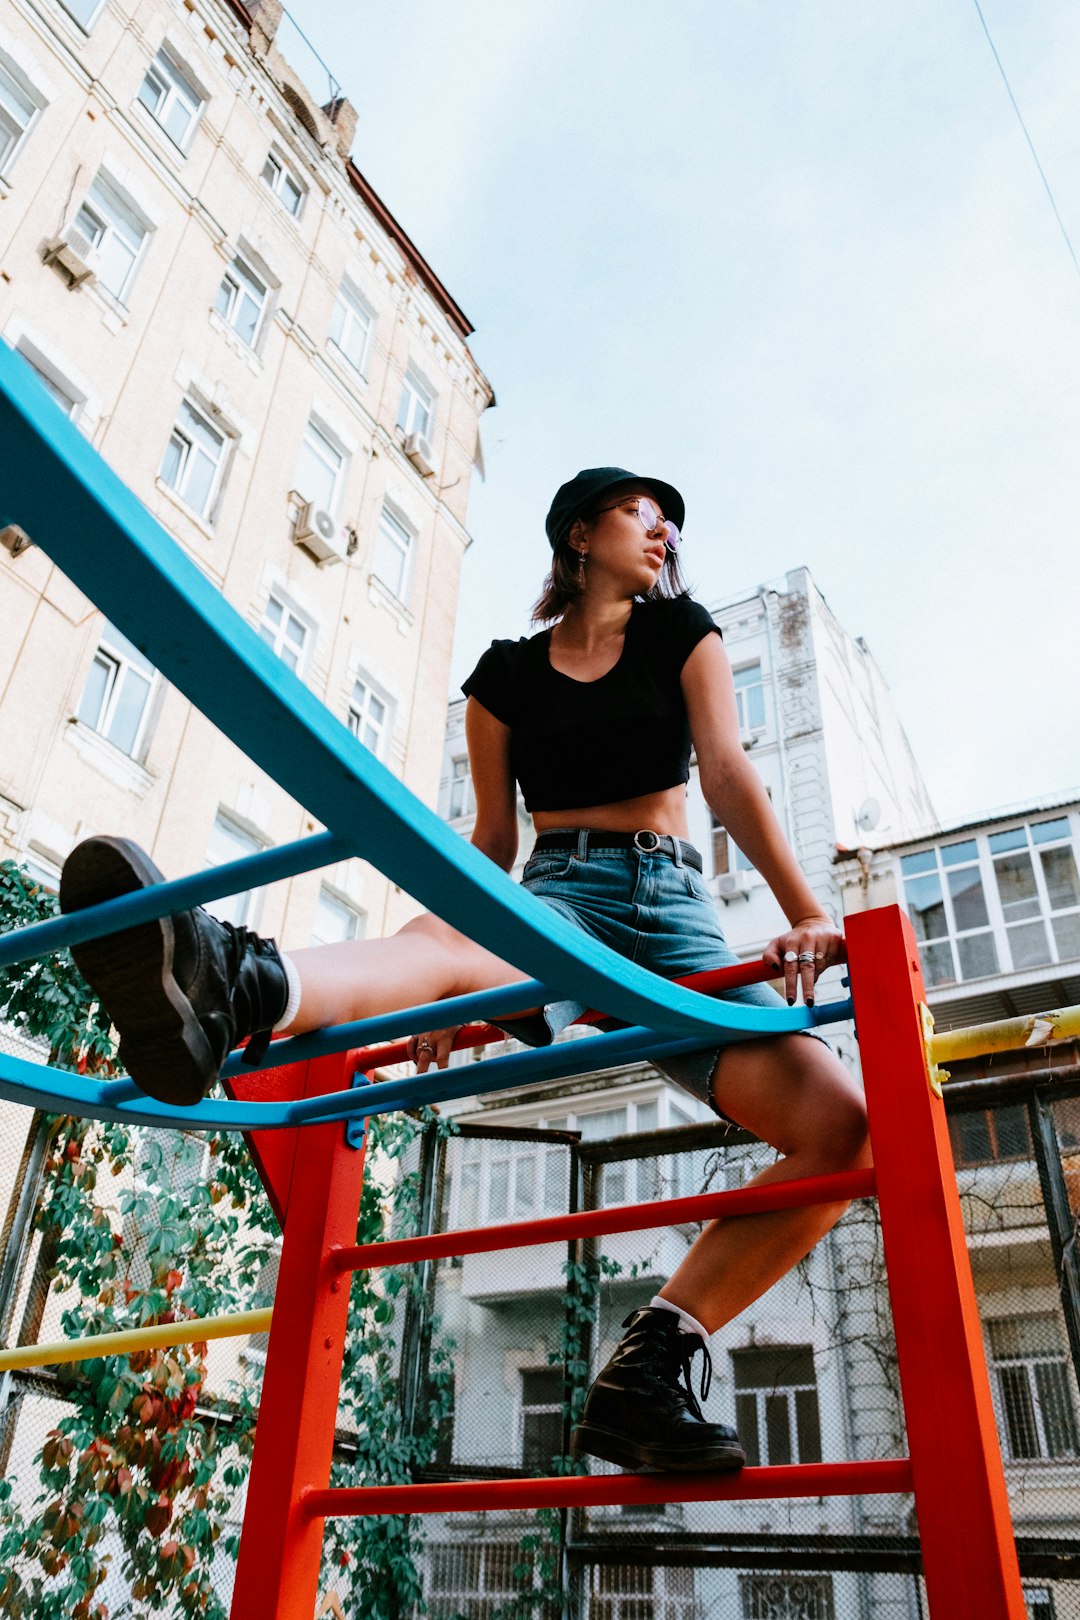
<point x="796" y="1095"/>
<point x="424" y="961"/>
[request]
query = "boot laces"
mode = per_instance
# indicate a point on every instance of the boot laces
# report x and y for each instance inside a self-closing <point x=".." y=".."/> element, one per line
<point x="685" y="1352"/>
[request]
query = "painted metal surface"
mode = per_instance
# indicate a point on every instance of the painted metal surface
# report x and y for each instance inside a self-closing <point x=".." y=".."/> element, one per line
<point x="193" y="1330"/>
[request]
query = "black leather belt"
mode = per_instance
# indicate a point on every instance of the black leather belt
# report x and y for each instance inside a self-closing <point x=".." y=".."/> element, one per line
<point x="646" y="842"/>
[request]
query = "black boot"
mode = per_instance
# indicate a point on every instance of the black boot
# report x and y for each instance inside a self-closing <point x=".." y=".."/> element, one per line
<point x="181" y="991"/>
<point x="639" y="1415"/>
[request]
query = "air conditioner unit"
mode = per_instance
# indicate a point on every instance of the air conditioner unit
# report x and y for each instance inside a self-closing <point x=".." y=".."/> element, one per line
<point x="733" y="885"/>
<point x="318" y="532"/>
<point x="420" y="453"/>
<point x="70" y="253"/>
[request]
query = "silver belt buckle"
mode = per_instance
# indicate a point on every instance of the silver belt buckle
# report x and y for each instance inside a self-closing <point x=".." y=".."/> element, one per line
<point x="646" y="848"/>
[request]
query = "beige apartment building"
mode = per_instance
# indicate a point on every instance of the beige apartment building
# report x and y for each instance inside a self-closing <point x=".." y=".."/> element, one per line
<point x="204" y="281"/>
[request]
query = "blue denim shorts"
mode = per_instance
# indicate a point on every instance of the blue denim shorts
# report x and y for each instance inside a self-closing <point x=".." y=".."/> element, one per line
<point x="651" y="907"/>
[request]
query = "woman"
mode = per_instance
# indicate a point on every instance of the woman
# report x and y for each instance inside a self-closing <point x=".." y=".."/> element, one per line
<point x="595" y="718"/>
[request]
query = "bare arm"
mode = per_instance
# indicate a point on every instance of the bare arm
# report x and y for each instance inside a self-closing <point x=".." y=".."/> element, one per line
<point x="737" y="797"/>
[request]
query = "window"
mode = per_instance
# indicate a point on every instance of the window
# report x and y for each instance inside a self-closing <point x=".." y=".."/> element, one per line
<point x="1039" y="1601"/>
<point x="171" y="99"/>
<point x="194" y="460"/>
<point x="776" y="1404"/>
<point x="541" y="1418"/>
<point x="1035" y="870"/>
<point x="726" y="854"/>
<point x="230" y="842"/>
<point x="369" y="716"/>
<point x="285" y="631"/>
<point x="750" y="699"/>
<point x="116" y="697"/>
<point x="335" y="920"/>
<point x="475" y="1580"/>
<point x="416" y="413"/>
<point x="18" y="110"/>
<point x="461" y="799"/>
<point x="393" y="553"/>
<point x="351" y="326"/>
<point x="70" y="399"/>
<point x="84" y="11"/>
<point x="986" y="1135"/>
<point x="286" y="186"/>
<point x="319" y="468"/>
<point x="1036" y="1400"/>
<point x="787" y="1597"/>
<point x="115" y="237"/>
<point x="241" y="301"/>
<point x="945" y="895"/>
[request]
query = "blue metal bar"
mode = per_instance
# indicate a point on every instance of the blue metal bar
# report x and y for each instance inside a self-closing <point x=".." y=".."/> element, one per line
<point x="58" y="489"/>
<point x="166" y="899"/>
<point x="59" y="1091"/>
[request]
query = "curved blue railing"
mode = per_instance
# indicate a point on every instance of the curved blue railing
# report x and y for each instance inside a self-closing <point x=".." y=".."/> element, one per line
<point x="56" y="487"/>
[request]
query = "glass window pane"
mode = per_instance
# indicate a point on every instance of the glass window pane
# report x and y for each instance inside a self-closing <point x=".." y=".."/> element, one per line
<point x="228" y="842"/>
<point x="524" y="1185"/>
<point x="114" y="264"/>
<point x="10" y="131"/>
<point x="926" y="907"/>
<point x="173" y="461"/>
<point x="1059" y="875"/>
<point x="15" y="99"/>
<point x="1067" y="936"/>
<point x="96" y="691"/>
<point x="1011" y="1126"/>
<point x="469" y="1194"/>
<point x="335" y="921"/>
<point x="129" y="710"/>
<point x="499" y="1190"/>
<point x="978" y="956"/>
<point x="746" y="1421"/>
<point x="1015" y="838"/>
<point x="556" y="1180"/>
<point x="613" y="1184"/>
<point x="648" y="1116"/>
<point x="1056" y="1409"/>
<point x="1019" y="1409"/>
<point x="317" y="468"/>
<point x="199" y="481"/>
<point x="225" y="295"/>
<point x="1029" y="945"/>
<point x="1016" y="886"/>
<point x="971" y="1137"/>
<point x="291" y="194"/>
<point x="778" y="1428"/>
<point x="924" y="861"/>
<point x="1045" y="832"/>
<point x="937" y="963"/>
<point x="808" y="1421"/>
<point x="969" y="902"/>
<point x="956" y="854"/>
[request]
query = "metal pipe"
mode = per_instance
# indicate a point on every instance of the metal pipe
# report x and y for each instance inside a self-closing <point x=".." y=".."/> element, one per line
<point x="1007" y="1035"/>
<point x="192" y="1331"/>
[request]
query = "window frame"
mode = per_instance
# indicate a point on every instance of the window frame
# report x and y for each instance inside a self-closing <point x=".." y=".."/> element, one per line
<point x="1028" y="1362"/>
<point x="168" y="68"/>
<point x="315" y="429"/>
<point x="415" y="390"/>
<point x="107" y="204"/>
<point x="23" y="90"/>
<point x="286" y="171"/>
<point x="277" y="638"/>
<point x="352" y="302"/>
<point x="331" y="896"/>
<point x="208" y="512"/>
<point x="395" y="521"/>
<point x="358" y="719"/>
<point x="60" y="386"/>
<point x="460" y="779"/>
<point x="246" y="903"/>
<point x="762" y="1393"/>
<point x="112" y="648"/>
<point x="96" y="8"/>
<point x="237" y="268"/>
<point x="749" y="728"/>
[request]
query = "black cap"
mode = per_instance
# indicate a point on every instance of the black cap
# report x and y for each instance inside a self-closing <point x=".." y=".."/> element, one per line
<point x="583" y="492"/>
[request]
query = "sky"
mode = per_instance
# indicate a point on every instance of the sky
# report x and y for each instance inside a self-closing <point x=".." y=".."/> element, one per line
<point x="795" y="257"/>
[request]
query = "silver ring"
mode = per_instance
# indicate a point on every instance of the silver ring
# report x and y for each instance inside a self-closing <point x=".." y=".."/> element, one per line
<point x="807" y="956"/>
<point x="424" y="1046"/>
<point x="819" y="956"/>
<point x="791" y="956"/>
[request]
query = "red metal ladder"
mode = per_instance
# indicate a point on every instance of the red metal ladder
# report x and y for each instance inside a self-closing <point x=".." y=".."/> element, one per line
<point x="954" y="1468"/>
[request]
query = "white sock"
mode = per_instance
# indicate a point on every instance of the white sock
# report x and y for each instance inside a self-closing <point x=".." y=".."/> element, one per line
<point x="292" y="1005"/>
<point x="687" y="1323"/>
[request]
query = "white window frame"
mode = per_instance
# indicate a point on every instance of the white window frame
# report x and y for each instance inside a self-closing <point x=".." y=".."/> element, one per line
<point x="316" y="441"/>
<point x="13" y="115"/>
<point x="236" y="285"/>
<point x="277" y="171"/>
<point x="177" y="87"/>
<point x="275" y="632"/>
<point x="331" y="898"/>
<point x="188" y="452"/>
<point x="748" y="694"/>
<point x="93" y="12"/>
<point x="534" y="1408"/>
<point x="360" y="719"/>
<point x="353" y="309"/>
<point x="242" y="908"/>
<point x="1026" y="1363"/>
<point x="113" y="216"/>
<point x="418" y="397"/>
<point x="790" y="1390"/>
<point x="394" y="537"/>
<point x="462" y="800"/>
<point x="122" y="663"/>
<point x="67" y="394"/>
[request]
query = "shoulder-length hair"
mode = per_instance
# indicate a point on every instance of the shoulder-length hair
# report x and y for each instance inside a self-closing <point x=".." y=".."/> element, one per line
<point x="564" y="584"/>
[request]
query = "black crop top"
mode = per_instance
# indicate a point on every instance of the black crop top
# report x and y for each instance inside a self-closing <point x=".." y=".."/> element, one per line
<point x="579" y="743"/>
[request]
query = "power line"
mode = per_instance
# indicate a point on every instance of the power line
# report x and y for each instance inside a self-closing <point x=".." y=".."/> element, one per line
<point x="1027" y="137"/>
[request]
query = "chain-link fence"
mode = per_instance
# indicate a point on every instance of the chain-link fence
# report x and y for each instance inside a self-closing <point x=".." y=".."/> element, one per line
<point x="483" y="1355"/>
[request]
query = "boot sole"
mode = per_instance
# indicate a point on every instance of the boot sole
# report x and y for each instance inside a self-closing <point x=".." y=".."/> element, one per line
<point x="589" y="1441"/>
<point x="162" y="1044"/>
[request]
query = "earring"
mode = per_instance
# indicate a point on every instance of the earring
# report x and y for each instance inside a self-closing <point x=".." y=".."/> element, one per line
<point x="581" y="569"/>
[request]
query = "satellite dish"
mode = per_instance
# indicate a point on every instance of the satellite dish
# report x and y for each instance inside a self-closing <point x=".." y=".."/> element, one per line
<point x="868" y="815"/>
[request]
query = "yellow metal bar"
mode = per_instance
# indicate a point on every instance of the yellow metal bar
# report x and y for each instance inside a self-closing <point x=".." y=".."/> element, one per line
<point x="191" y="1331"/>
<point x="1008" y="1035"/>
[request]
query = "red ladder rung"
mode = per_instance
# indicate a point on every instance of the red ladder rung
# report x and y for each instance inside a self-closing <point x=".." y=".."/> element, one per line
<point x="885" y="1477"/>
<point x="832" y="1189"/>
